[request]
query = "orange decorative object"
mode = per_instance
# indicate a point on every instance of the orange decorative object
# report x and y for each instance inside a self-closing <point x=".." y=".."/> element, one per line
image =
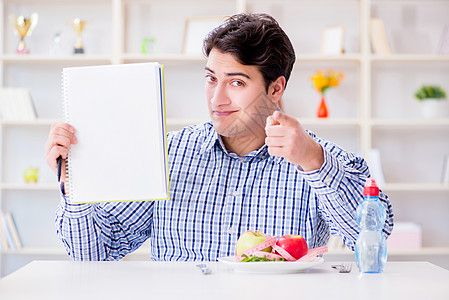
<point x="322" y="109"/>
<point x="322" y="81"/>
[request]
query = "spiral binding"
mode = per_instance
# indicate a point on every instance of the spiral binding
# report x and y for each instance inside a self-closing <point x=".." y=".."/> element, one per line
<point x="66" y="116"/>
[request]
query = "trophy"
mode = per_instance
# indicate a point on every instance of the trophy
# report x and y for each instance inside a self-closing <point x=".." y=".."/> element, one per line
<point x="78" y="25"/>
<point x="24" y="27"/>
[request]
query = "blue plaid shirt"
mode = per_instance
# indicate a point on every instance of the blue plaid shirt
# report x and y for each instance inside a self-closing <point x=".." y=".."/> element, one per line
<point x="216" y="196"/>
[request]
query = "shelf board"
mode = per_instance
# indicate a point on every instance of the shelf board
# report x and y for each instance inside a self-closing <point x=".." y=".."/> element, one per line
<point x="144" y="251"/>
<point x="194" y="121"/>
<point x="409" y="122"/>
<point x="38" y="121"/>
<point x="425" y="251"/>
<point x="304" y="121"/>
<point x="183" y="121"/>
<point x="30" y="186"/>
<point x="308" y="121"/>
<point x="35" y="251"/>
<point x="410" y="58"/>
<point x="323" y="57"/>
<point x="420" y="251"/>
<point x="415" y="187"/>
<point x="48" y="122"/>
<point x="162" y="57"/>
<point x="43" y="58"/>
<point x="59" y="1"/>
<point x="329" y="121"/>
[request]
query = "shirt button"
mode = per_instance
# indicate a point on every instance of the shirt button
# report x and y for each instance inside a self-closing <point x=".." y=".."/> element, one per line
<point x="230" y="230"/>
<point x="242" y="160"/>
<point x="235" y="193"/>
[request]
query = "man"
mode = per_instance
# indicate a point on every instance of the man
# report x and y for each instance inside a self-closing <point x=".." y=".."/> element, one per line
<point x="253" y="167"/>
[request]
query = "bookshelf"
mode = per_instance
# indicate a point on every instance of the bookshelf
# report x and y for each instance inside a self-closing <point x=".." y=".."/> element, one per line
<point x="373" y="108"/>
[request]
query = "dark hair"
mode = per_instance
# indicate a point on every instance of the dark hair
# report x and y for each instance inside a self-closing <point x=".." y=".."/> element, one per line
<point x="254" y="39"/>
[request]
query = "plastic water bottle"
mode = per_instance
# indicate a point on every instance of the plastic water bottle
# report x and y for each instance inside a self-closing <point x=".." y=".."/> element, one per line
<point x="371" y="247"/>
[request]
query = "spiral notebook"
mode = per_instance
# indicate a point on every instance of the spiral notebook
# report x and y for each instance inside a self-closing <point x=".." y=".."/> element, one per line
<point x="118" y="112"/>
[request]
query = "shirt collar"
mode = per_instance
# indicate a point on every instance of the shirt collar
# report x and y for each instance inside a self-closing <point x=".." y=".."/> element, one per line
<point x="211" y="139"/>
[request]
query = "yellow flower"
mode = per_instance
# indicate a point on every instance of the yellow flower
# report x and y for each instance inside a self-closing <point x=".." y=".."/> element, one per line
<point x="322" y="81"/>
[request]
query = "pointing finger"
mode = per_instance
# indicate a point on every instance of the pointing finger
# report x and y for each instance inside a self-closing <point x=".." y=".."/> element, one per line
<point x="271" y="122"/>
<point x="284" y="119"/>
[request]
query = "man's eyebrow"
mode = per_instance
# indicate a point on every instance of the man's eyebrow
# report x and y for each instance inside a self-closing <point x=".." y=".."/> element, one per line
<point x="210" y="70"/>
<point x="238" y="74"/>
<point x="230" y="74"/>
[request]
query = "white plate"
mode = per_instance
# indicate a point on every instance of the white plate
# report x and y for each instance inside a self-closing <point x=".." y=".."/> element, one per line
<point x="270" y="266"/>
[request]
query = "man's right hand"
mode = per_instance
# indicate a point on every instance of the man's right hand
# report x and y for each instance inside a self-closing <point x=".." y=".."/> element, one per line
<point x="61" y="136"/>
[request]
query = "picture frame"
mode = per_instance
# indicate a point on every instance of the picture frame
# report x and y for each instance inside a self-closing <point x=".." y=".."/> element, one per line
<point x="196" y="29"/>
<point x="333" y="40"/>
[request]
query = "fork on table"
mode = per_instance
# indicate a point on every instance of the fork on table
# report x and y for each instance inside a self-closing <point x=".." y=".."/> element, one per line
<point x="343" y="268"/>
<point x="204" y="269"/>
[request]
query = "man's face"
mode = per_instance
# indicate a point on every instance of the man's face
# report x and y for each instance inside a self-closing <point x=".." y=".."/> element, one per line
<point x="237" y="99"/>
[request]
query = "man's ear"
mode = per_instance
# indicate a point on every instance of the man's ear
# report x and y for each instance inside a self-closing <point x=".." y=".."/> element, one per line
<point x="276" y="89"/>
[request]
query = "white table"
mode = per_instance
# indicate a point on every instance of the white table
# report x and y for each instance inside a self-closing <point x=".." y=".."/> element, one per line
<point x="182" y="280"/>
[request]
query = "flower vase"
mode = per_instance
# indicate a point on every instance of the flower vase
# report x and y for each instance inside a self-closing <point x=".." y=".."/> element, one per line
<point x="322" y="109"/>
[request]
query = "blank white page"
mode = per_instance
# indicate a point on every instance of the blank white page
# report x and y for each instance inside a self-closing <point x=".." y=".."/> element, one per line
<point x="118" y="112"/>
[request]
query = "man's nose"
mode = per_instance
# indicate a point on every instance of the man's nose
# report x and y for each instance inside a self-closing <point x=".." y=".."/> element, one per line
<point x="220" y="96"/>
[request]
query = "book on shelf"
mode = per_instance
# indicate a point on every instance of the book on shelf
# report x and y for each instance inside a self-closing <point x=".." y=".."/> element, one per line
<point x="16" y="105"/>
<point x="126" y="101"/>
<point x="375" y="165"/>
<point x="379" y="40"/>
<point x="13" y="230"/>
<point x="3" y="241"/>
<point x="445" y="173"/>
<point x="9" y="236"/>
<point x="443" y="44"/>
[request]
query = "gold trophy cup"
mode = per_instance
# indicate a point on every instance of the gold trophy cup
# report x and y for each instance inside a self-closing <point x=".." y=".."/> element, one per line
<point x="24" y="27"/>
<point x="78" y="25"/>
